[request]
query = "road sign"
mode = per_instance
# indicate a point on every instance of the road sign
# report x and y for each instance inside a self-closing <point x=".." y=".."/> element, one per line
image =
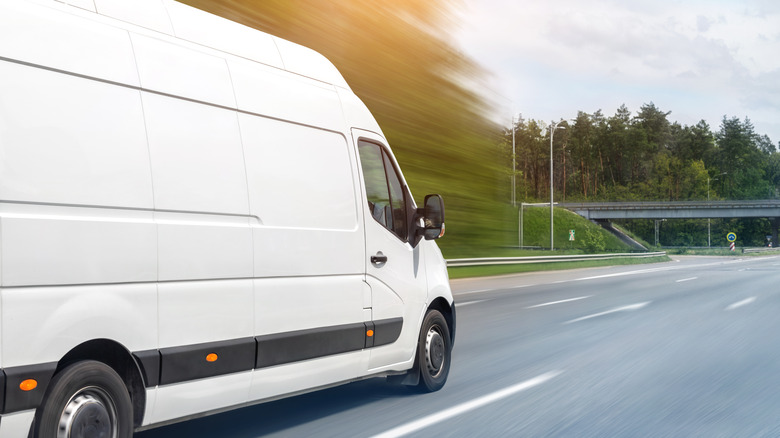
<point x="571" y="235"/>
<point x="732" y="237"/>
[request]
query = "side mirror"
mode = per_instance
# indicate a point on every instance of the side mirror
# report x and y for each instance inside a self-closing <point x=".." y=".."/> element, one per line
<point x="427" y="222"/>
<point x="433" y="217"/>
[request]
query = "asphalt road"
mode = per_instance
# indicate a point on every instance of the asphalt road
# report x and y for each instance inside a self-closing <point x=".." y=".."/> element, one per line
<point x="689" y="348"/>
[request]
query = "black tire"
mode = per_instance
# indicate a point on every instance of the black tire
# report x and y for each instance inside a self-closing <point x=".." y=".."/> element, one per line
<point x="434" y="352"/>
<point x="86" y="399"/>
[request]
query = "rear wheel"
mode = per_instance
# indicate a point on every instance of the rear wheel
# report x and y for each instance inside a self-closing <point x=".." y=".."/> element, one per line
<point x="86" y="400"/>
<point x="434" y="351"/>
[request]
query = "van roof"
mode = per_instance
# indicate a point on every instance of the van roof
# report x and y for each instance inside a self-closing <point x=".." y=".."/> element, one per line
<point x="200" y="27"/>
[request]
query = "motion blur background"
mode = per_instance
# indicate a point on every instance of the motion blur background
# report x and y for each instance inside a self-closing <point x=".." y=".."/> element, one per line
<point x="451" y="130"/>
<point x="398" y="58"/>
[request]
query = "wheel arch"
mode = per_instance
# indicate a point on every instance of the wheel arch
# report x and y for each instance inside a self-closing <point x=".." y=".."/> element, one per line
<point x="120" y="359"/>
<point x="448" y="311"/>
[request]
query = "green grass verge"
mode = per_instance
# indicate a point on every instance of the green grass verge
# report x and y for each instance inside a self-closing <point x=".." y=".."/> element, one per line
<point x="485" y="271"/>
<point x="589" y="237"/>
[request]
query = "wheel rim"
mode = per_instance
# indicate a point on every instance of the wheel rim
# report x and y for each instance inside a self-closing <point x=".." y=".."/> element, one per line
<point x="434" y="351"/>
<point x="90" y="413"/>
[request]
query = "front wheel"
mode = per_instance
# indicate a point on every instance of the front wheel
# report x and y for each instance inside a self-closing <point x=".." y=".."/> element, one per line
<point x="434" y="351"/>
<point x="86" y="399"/>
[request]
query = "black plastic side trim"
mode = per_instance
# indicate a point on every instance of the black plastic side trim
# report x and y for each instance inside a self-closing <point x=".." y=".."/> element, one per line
<point x="369" y="338"/>
<point x="281" y="348"/>
<point x="387" y="331"/>
<point x="149" y="362"/>
<point x="180" y="364"/>
<point x="17" y="400"/>
<point x="2" y="391"/>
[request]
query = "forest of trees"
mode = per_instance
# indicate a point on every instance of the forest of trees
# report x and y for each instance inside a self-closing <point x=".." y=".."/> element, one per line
<point x="647" y="157"/>
<point x="643" y="157"/>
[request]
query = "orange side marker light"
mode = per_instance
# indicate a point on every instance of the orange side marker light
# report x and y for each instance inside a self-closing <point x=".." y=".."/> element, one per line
<point x="212" y="357"/>
<point x="28" y="385"/>
<point x="370" y="333"/>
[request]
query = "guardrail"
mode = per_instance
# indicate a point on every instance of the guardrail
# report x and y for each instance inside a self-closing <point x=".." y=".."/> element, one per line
<point x="749" y="250"/>
<point x="547" y="259"/>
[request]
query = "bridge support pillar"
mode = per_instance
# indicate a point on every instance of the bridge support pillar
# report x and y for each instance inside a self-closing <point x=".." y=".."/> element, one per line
<point x="775" y="226"/>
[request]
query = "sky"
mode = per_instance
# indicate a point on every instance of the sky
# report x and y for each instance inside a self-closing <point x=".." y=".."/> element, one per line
<point x="698" y="59"/>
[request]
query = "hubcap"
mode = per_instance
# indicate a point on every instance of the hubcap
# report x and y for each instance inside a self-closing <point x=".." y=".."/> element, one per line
<point x="434" y="351"/>
<point x="90" y="413"/>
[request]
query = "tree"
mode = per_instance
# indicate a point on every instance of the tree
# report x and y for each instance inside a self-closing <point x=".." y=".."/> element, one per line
<point x="582" y="136"/>
<point x="743" y="161"/>
<point x="655" y="124"/>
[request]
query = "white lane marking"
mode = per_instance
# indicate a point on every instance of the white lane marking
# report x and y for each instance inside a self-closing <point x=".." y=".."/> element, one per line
<point x="493" y="290"/>
<point x="741" y="303"/>
<point x="667" y="268"/>
<point x="459" y="305"/>
<point x="558" y="302"/>
<point x="462" y="408"/>
<point x="621" y="274"/>
<point x="630" y="307"/>
<point x="686" y="279"/>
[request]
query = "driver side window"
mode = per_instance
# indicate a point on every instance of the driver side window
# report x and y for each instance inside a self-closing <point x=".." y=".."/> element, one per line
<point x="384" y="190"/>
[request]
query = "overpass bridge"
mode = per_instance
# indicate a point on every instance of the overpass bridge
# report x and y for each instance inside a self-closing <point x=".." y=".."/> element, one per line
<point x="606" y="211"/>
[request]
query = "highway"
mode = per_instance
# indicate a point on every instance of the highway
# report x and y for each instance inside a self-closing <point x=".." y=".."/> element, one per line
<point x="678" y="349"/>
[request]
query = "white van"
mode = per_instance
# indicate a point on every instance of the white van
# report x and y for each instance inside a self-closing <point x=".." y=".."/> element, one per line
<point x="196" y="216"/>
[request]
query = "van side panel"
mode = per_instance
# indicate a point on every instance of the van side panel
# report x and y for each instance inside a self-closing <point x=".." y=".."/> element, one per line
<point x="16" y="425"/>
<point x="52" y="245"/>
<point x="1" y="284"/>
<point x="271" y="92"/>
<point x="186" y="76"/>
<point x="205" y="251"/>
<point x="47" y="322"/>
<point x="197" y="161"/>
<point x="308" y="250"/>
<point x="44" y="36"/>
<point x="68" y="140"/>
<point x="204" y="395"/>
<point x="300" y="178"/>
<point x="204" y="246"/>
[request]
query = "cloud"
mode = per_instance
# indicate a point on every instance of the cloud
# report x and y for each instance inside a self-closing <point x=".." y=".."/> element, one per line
<point x="703" y="23"/>
<point x="721" y="53"/>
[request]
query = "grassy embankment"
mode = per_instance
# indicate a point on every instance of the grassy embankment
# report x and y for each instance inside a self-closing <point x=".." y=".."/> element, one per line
<point x="588" y="238"/>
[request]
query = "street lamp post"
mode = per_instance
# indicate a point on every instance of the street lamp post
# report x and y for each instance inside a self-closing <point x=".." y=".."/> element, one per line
<point x="553" y="127"/>
<point x="514" y="197"/>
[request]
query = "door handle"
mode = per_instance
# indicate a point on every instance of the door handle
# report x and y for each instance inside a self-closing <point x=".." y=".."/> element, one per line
<point x="379" y="258"/>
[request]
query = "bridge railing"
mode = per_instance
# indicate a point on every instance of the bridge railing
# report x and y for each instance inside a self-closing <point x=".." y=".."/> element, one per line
<point x="547" y="259"/>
